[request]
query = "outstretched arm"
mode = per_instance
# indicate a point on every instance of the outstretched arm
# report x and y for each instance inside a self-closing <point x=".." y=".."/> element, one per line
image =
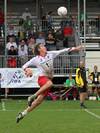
<point x="58" y="52"/>
<point x="78" y="48"/>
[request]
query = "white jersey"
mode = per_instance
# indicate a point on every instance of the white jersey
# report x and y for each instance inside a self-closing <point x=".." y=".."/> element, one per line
<point x="44" y="64"/>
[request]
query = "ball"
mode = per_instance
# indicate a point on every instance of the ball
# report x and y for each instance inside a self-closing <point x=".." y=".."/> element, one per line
<point x="62" y="11"/>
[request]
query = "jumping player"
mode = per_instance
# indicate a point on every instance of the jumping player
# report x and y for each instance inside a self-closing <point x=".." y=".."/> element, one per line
<point x="44" y="62"/>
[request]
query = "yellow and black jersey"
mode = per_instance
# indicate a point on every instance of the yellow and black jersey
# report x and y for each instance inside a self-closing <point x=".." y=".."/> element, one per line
<point x="81" y="77"/>
<point x="95" y="77"/>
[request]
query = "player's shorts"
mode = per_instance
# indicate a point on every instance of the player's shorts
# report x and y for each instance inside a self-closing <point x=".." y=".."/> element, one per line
<point x="83" y="89"/>
<point x="96" y="85"/>
<point x="42" y="80"/>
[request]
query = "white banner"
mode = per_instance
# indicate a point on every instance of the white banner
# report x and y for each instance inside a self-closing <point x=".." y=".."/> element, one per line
<point x="15" y="78"/>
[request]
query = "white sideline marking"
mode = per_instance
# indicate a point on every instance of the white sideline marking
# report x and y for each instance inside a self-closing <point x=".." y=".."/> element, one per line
<point x="91" y="113"/>
<point x="3" y="106"/>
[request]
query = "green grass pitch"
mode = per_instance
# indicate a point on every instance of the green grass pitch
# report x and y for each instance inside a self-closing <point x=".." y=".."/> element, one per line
<point x="50" y="117"/>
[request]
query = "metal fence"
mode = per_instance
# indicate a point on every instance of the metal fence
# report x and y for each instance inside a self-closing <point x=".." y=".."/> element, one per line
<point x="92" y="26"/>
<point x="63" y="64"/>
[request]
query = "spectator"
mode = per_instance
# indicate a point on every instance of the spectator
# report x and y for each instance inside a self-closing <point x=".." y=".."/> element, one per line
<point x="59" y="39"/>
<point x="11" y="42"/>
<point x="71" y="85"/>
<point x="12" y="51"/>
<point x="26" y="13"/>
<point x="11" y="31"/>
<point x="40" y="38"/>
<point x="31" y="45"/>
<point x="67" y="33"/>
<point x="21" y="34"/>
<point x="22" y="52"/>
<point x="67" y="30"/>
<point x="50" y="42"/>
<point x="70" y="81"/>
<point x="95" y="78"/>
<point x="12" y="61"/>
<point x="49" y="20"/>
<point x="28" y="24"/>
<point x="82" y="83"/>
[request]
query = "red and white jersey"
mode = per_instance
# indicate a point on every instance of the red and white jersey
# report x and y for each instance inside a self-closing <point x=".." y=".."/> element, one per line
<point x="44" y="64"/>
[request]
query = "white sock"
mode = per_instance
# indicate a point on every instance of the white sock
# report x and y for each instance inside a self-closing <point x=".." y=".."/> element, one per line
<point x="24" y="112"/>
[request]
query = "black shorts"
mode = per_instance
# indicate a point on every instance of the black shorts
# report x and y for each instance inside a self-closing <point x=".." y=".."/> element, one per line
<point x="83" y="89"/>
<point x="96" y="85"/>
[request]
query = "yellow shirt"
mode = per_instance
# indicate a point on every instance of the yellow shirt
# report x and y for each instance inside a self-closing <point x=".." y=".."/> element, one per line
<point x="79" y="80"/>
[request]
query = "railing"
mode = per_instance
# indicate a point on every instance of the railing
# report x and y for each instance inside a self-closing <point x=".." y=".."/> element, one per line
<point x="92" y="26"/>
<point x="63" y="64"/>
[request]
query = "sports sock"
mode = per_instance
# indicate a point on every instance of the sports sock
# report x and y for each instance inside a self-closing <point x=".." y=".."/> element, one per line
<point x="82" y="104"/>
<point x="34" y="96"/>
<point x="24" y="112"/>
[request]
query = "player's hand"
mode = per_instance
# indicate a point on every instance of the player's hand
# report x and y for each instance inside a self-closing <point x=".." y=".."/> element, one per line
<point x="28" y="72"/>
<point x="78" y="48"/>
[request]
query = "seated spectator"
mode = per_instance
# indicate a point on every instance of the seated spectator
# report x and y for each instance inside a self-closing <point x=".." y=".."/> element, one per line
<point x="67" y="31"/>
<point x="11" y="31"/>
<point x="11" y="42"/>
<point x="40" y="38"/>
<point x="50" y="42"/>
<point x="66" y="22"/>
<point x="71" y="85"/>
<point x="22" y="53"/>
<point x="21" y="32"/>
<point x="31" y="44"/>
<point x="59" y="39"/>
<point x="21" y="35"/>
<point x="70" y="82"/>
<point x="95" y="78"/>
<point x="12" y="60"/>
<point x="12" y="51"/>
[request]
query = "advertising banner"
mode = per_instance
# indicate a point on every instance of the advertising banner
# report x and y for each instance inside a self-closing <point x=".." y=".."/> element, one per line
<point x="15" y="78"/>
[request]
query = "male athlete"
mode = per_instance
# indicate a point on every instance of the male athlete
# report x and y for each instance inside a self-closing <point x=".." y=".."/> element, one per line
<point x="44" y="63"/>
